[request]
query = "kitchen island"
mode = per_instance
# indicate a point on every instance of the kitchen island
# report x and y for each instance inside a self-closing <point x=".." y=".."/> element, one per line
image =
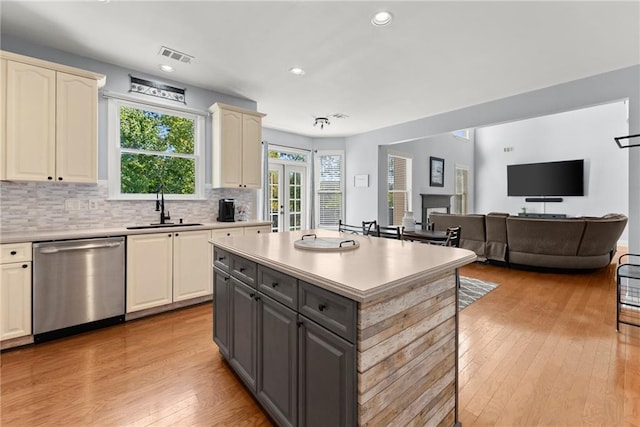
<point x="366" y="336"/>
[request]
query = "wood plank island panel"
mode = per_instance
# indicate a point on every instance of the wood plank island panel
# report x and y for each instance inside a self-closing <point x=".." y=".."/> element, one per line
<point x="406" y="359"/>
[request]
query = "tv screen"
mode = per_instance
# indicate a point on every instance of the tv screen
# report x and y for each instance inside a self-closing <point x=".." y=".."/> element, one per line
<point x="564" y="178"/>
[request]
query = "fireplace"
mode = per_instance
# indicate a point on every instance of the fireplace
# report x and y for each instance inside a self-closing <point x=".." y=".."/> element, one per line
<point x="434" y="203"/>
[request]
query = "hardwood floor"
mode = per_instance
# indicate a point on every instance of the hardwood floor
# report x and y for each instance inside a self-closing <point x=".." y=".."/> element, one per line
<point x="541" y="349"/>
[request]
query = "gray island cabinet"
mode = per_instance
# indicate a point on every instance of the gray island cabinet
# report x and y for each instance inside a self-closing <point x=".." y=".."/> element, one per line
<point x="362" y="337"/>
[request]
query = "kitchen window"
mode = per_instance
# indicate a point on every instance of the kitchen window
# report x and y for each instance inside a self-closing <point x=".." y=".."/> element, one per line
<point x="152" y="146"/>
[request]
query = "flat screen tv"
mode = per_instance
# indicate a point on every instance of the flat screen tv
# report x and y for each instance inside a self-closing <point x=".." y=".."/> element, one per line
<point x="564" y="178"/>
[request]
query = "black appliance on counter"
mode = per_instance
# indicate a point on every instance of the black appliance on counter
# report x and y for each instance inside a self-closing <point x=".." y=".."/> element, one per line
<point x="226" y="210"/>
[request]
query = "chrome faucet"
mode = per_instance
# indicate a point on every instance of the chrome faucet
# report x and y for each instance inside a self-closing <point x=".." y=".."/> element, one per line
<point x="160" y="205"/>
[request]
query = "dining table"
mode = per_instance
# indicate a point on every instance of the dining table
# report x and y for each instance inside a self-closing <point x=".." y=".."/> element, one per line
<point x="425" y="236"/>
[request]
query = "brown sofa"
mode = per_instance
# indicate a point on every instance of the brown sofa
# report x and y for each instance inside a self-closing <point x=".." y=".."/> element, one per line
<point x="568" y="243"/>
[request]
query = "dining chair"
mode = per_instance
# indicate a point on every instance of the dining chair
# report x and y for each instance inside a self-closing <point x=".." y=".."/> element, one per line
<point x="346" y="228"/>
<point x="369" y="227"/>
<point x="389" y="232"/>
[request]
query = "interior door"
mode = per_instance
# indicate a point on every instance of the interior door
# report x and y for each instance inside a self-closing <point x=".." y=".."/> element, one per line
<point x="287" y="197"/>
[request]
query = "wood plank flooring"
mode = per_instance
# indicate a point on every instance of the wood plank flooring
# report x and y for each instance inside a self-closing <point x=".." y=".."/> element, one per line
<point x="541" y="349"/>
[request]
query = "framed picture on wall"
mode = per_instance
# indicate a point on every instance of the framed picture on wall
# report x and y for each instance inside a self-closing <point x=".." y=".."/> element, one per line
<point x="436" y="172"/>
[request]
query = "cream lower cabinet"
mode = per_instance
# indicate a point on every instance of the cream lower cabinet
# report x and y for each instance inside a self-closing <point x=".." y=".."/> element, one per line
<point x="149" y="271"/>
<point x="167" y="267"/>
<point x="192" y="267"/>
<point x="15" y="291"/>
<point x="261" y="229"/>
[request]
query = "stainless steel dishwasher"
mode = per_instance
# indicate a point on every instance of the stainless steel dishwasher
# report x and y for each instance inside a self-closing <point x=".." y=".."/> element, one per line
<point x="78" y="285"/>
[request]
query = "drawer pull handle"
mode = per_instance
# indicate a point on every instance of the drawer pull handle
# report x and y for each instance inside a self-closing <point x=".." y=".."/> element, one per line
<point x="252" y="294"/>
<point x="257" y="298"/>
<point x="299" y="323"/>
<point x="221" y="258"/>
<point x="13" y="252"/>
<point x="322" y="307"/>
<point x="228" y="234"/>
<point x="242" y="269"/>
<point x="274" y="284"/>
<point x="24" y="266"/>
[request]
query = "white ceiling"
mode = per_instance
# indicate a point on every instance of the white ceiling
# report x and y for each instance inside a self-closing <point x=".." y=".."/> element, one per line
<point x="434" y="57"/>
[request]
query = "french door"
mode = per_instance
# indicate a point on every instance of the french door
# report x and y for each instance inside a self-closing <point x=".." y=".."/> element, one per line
<point x="287" y="197"/>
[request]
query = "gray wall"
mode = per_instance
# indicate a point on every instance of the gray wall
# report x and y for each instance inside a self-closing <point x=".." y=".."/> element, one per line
<point x="118" y="81"/>
<point x="454" y="151"/>
<point x="362" y="151"/>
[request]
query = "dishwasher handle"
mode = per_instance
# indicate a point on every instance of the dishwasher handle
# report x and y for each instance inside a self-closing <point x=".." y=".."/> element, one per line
<point x="54" y="249"/>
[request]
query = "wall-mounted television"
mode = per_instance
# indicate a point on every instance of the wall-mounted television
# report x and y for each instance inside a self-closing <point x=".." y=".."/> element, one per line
<point x="565" y="178"/>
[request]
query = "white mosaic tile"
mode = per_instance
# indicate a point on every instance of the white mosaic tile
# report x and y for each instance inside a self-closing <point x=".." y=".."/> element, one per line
<point x="36" y="206"/>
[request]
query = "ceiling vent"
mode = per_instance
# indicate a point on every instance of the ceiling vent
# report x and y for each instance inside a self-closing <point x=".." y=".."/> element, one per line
<point x="175" y="55"/>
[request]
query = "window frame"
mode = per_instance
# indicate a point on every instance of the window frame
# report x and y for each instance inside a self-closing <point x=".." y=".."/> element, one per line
<point x="408" y="191"/>
<point x="114" y="173"/>
<point x="316" y="186"/>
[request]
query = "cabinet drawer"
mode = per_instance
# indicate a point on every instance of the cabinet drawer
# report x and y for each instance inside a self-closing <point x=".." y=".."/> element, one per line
<point x="243" y="269"/>
<point x="225" y="232"/>
<point x="279" y="286"/>
<point x="221" y="259"/>
<point x="334" y="312"/>
<point x="257" y="230"/>
<point x="15" y="252"/>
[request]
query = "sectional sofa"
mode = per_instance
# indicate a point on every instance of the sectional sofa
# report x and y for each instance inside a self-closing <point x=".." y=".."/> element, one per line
<point x="566" y="243"/>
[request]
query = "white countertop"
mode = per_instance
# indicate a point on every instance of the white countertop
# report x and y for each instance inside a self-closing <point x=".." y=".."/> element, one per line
<point x="377" y="267"/>
<point x="65" y="234"/>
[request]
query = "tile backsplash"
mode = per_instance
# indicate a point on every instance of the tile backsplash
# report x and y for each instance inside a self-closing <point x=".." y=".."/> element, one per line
<point x="36" y="206"/>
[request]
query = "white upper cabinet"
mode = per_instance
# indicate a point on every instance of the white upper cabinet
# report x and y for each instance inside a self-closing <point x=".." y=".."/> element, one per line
<point x="50" y="121"/>
<point x="76" y="128"/>
<point x="237" y="147"/>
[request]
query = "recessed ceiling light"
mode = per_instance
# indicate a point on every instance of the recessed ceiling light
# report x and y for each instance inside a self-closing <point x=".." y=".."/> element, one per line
<point x="297" y="71"/>
<point x="166" y="68"/>
<point x="381" y="18"/>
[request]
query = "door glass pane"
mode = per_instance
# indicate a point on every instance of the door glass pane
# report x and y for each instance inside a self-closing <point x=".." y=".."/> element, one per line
<point x="274" y="200"/>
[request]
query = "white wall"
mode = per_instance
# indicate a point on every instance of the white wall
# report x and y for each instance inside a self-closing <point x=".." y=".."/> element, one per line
<point x="582" y="134"/>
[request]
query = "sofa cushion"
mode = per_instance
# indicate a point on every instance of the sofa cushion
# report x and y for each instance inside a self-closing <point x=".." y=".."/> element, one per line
<point x="496" y="231"/>
<point x="601" y="235"/>
<point x="544" y="236"/>
<point x="472" y="233"/>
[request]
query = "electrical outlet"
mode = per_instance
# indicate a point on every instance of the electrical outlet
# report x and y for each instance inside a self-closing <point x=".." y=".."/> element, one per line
<point x="93" y="204"/>
<point x="83" y="205"/>
<point x="71" y="205"/>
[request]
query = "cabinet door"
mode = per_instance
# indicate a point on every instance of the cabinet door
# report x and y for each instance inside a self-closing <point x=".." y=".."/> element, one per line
<point x="251" y="151"/>
<point x="149" y="270"/>
<point x="230" y="161"/>
<point x="192" y="263"/>
<point x="276" y="385"/>
<point x="76" y="128"/>
<point x="221" y="301"/>
<point x="242" y="353"/>
<point x="3" y="119"/>
<point x="31" y="122"/>
<point x="15" y="300"/>
<point x="327" y="378"/>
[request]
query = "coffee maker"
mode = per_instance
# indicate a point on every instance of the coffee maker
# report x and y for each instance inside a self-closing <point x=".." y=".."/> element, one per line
<point x="226" y="210"/>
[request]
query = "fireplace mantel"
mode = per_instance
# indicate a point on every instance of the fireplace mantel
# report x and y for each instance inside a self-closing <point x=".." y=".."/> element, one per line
<point x="434" y="201"/>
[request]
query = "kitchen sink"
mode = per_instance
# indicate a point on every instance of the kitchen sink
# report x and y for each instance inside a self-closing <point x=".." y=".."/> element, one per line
<point x="140" y="227"/>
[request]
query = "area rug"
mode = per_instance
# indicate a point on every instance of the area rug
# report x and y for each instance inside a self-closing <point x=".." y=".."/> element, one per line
<point x="472" y="290"/>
